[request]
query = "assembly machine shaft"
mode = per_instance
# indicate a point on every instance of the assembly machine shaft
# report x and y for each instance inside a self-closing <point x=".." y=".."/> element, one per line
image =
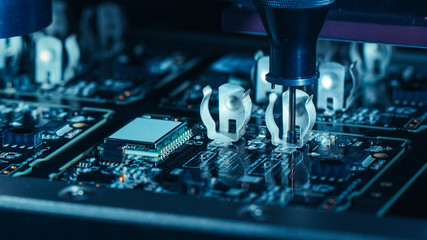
<point x="293" y="27"/>
<point x="291" y="135"/>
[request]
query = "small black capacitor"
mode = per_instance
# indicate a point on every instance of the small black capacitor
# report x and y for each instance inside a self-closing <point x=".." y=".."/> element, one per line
<point x="22" y="136"/>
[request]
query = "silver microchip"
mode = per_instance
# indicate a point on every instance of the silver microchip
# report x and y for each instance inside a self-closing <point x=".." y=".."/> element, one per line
<point x="147" y="130"/>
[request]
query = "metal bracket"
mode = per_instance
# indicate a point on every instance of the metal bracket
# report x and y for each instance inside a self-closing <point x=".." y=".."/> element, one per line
<point x="111" y="24"/>
<point x="374" y="60"/>
<point x="305" y="119"/>
<point x="48" y="67"/>
<point x="10" y="48"/>
<point x="355" y="80"/>
<point x="234" y="105"/>
<point x="331" y="87"/>
<point x="73" y="52"/>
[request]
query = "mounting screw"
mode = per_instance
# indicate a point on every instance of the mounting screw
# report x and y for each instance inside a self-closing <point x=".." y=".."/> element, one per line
<point x="76" y="193"/>
<point x="256" y="212"/>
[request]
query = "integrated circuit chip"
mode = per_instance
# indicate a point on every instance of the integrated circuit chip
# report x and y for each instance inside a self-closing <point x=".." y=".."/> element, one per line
<point x="152" y="139"/>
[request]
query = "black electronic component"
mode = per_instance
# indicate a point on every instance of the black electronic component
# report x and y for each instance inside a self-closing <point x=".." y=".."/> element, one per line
<point x="22" y="136"/>
<point x="53" y="126"/>
<point x="330" y="168"/>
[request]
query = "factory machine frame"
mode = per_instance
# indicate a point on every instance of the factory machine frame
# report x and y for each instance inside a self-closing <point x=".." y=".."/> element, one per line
<point x="182" y="214"/>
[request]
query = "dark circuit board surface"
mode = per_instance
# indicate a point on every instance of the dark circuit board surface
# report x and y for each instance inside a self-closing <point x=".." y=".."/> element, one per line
<point x="123" y="79"/>
<point x="35" y="132"/>
<point x="393" y="118"/>
<point x="326" y="174"/>
<point x="391" y="109"/>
